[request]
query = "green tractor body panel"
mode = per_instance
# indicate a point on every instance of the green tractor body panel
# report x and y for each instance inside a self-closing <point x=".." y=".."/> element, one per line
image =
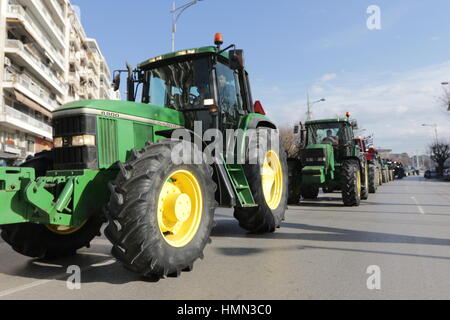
<point x="69" y="196"/>
<point x="77" y="187"/>
<point x="315" y="174"/>
<point x="65" y="198"/>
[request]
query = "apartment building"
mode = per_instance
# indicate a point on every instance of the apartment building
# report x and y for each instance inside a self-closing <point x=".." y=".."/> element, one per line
<point x="46" y="60"/>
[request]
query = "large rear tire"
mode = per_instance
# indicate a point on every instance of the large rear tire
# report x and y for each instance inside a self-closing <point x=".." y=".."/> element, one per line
<point x="161" y="211"/>
<point x="41" y="241"/>
<point x="270" y="196"/>
<point x="351" y="183"/>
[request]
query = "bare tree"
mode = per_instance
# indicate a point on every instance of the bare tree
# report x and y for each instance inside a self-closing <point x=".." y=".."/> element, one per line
<point x="290" y="141"/>
<point x="440" y="153"/>
<point x="444" y="99"/>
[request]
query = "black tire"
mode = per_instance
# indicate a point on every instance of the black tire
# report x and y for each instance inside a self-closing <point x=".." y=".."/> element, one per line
<point x="38" y="241"/>
<point x="294" y="195"/>
<point x="351" y="196"/>
<point x="133" y="227"/>
<point x="262" y="219"/>
<point x="365" y="187"/>
<point x="294" y="176"/>
<point x="372" y="179"/>
<point x="310" y="193"/>
<point x="384" y="176"/>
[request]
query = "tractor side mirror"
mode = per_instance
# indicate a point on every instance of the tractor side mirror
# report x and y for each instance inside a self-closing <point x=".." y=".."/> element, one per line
<point x="296" y="129"/>
<point x="116" y="82"/>
<point x="236" y="59"/>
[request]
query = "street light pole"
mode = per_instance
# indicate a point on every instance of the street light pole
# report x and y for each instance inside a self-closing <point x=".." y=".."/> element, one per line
<point x="435" y="130"/>
<point x="176" y="13"/>
<point x="309" y="106"/>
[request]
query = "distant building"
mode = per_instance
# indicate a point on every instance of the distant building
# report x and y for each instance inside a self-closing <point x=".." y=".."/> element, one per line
<point x="46" y="60"/>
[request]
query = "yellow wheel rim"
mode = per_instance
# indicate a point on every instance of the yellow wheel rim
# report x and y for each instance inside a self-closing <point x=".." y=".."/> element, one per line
<point x="272" y="179"/>
<point x="358" y="182"/>
<point x="64" y="230"/>
<point x="180" y="207"/>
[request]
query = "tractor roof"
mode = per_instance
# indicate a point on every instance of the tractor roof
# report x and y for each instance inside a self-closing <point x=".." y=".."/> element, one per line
<point x="195" y="51"/>
<point x="328" y="121"/>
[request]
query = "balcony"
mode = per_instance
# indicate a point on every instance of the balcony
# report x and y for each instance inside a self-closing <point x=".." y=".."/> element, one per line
<point x="41" y="13"/>
<point x="17" y="49"/>
<point x="31" y="88"/>
<point x="55" y="6"/>
<point x="18" y="13"/>
<point x="19" y="120"/>
<point x="74" y="57"/>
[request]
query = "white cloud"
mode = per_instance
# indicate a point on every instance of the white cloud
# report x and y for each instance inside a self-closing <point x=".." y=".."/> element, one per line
<point x="328" y="77"/>
<point x="392" y="109"/>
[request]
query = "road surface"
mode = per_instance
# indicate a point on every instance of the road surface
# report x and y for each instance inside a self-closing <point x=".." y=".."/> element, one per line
<point x="323" y="250"/>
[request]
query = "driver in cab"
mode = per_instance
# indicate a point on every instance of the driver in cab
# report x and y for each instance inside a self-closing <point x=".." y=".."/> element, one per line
<point x="330" y="139"/>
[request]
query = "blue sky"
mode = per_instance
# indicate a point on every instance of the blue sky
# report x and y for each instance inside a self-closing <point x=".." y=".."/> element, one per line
<point x="389" y="79"/>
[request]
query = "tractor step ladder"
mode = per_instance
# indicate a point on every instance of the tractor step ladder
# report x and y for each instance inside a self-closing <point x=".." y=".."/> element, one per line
<point x="240" y="184"/>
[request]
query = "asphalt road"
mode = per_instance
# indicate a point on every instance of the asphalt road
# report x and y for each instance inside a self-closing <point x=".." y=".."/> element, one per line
<point x="322" y="251"/>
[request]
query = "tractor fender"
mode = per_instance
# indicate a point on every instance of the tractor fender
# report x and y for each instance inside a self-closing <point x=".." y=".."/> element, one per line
<point x="254" y="121"/>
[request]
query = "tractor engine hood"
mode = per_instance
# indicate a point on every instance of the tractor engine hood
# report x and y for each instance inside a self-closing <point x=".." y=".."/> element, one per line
<point x="118" y="109"/>
<point x="95" y="134"/>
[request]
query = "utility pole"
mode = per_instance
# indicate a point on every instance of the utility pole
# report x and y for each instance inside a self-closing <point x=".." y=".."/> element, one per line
<point x="176" y="13"/>
<point x="309" y="105"/>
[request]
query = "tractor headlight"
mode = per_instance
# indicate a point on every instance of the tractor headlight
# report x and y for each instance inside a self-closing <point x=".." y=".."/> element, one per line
<point x="58" y="142"/>
<point x="85" y="140"/>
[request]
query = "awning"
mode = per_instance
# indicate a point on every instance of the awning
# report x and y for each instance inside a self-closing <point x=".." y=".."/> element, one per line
<point x="30" y="103"/>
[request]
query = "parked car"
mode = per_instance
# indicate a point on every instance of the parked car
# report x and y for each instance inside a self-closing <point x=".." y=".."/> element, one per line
<point x="446" y="175"/>
<point x="431" y="174"/>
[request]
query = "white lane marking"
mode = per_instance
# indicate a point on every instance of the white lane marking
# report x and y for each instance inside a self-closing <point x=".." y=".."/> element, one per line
<point x="418" y="205"/>
<point x="24" y="287"/>
<point x="45" y="281"/>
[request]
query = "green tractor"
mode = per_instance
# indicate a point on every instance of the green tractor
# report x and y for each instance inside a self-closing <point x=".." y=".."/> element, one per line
<point x="331" y="159"/>
<point x="123" y="162"/>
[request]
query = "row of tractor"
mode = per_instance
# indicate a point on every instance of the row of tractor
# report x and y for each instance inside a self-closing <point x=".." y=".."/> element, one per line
<point x="332" y="158"/>
<point x="119" y="162"/>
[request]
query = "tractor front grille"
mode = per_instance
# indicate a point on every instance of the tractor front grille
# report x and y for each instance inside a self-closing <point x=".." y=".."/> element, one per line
<point x="73" y="158"/>
<point x="313" y="157"/>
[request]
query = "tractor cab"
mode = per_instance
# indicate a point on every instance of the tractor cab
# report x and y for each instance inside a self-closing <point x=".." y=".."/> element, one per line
<point x="206" y="84"/>
<point x="335" y="135"/>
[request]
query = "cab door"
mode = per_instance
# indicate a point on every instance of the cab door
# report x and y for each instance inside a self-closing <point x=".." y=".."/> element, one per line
<point x="230" y="99"/>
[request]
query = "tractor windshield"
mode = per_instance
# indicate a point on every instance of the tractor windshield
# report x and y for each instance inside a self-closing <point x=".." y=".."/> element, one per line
<point x="178" y="85"/>
<point x="326" y="133"/>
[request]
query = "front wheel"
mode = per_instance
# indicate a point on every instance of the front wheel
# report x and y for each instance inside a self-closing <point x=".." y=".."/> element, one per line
<point x="351" y="183"/>
<point x="160" y="213"/>
<point x="365" y="187"/>
<point x="372" y="179"/>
